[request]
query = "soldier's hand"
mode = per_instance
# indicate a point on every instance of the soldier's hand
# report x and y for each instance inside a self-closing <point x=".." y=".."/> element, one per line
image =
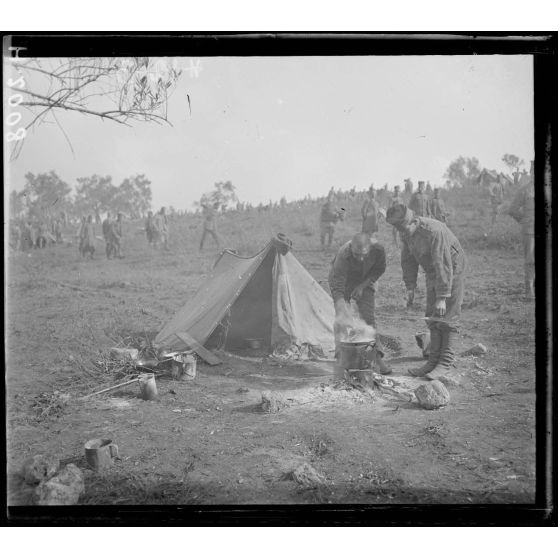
<point x="357" y="292"/>
<point x="440" y="307"/>
<point x="410" y="297"/>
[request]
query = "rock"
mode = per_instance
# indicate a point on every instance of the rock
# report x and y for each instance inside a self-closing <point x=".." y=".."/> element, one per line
<point x="62" y="490"/>
<point x="124" y="354"/>
<point x="272" y="402"/>
<point x="477" y="350"/>
<point x="306" y="475"/>
<point x="433" y="395"/>
<point x="39" y="468"/>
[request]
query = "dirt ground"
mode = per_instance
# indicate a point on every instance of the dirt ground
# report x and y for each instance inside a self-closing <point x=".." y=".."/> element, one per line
<point x="206" y="441"/>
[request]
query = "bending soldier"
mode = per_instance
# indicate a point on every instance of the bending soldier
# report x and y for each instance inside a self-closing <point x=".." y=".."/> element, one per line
<point x="355" y="270"/>
<point x="431" y="245"/>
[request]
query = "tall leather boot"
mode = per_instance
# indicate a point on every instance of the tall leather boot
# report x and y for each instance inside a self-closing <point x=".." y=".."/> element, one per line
<point x="435" y="348"/>
<point x="447" y="353"/>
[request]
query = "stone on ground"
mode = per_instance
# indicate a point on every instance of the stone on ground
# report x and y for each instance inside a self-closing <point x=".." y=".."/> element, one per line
<point x="272" y="402"/>
<point x="476" y="350"/>
<point x="306" y="475"/>
<point x="432" y="395"/>
<point x="62" y="490"/>
<point x="39" y="468"/>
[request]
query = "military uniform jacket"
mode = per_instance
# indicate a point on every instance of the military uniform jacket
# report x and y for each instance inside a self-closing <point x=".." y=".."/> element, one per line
<point x="438" y="209"/>
<point x="436" y="249"/>
<point x="522" y="208"/>
<point x="420" y="204"/>
<point x="347" y="272"/>
<point x="328" y="215"/>
<point x="370" y="216"/>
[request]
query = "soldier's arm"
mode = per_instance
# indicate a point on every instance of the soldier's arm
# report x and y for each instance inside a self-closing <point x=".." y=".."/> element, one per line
<point x="440" y="252"/>
<point x="516" y="207"/>
<point x="338" y="278"/>
<point x="410" y="266"/>
<point x="379" y="267"/>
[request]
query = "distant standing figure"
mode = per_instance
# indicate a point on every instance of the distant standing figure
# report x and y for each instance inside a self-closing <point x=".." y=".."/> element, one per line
<point x="438" y="207"/>
<point x="118" y="233"/>
<point x="162" y="228"/>
<point x="87" y="238"/>
<point x="210" y="224"/>
<point x="428" y="190"/>
<point x="329" y="215"/>
<point x="396" y="198"/>
<point x="150" y="228"/>
<point x="522" y="209"/>
<point x="408" y="187"/>
<point x="496" y="193"/>
<point x="108" y="235"/>
<point x="369" y="213"/>
<point x="420" y="202"/>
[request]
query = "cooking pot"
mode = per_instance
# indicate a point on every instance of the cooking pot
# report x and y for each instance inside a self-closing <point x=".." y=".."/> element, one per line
<point x="356" y="355"/>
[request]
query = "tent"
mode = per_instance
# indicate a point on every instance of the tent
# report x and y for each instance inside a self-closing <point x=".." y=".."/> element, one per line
<point x="269" y="296"/>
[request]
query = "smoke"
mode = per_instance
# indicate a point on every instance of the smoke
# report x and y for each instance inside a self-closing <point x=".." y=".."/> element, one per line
<point x="349" y="327"/>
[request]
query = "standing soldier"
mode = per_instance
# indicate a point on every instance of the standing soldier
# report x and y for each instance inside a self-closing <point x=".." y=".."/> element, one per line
<point x="496" y="193"/>
<point x="329" y="215"/>
<point x="210" y="224"/>
<point x="420" y="202"/>
<point x="162" y="226"/>
<point x="149" y="228"/>
<point x="431" y="245"/>
<point x="117" y="234"/>
<point x="438" y="207"/>
<point x="370" y="214"/>
<point x="108" y="235"/>
<point x="408" y="187"/>
<point x="522" y="209"/>
<point x="354" y="272"/>
<point x="87" y="237"/>
<point x="396" y="199"/>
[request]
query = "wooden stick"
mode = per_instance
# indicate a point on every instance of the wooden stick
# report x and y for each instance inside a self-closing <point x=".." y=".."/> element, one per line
<point x="110" y="388"/>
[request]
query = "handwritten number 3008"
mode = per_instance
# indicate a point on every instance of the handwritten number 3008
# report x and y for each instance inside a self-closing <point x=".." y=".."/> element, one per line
<point x="14" y="117"/>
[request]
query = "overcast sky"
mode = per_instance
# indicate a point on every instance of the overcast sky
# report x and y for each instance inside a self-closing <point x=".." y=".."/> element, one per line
<point x="292" y="126"/>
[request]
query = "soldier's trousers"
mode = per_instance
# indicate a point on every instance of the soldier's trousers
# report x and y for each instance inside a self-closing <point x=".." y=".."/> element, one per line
<point x="213" y="234"/>
<point x="326" y="229"/>
<point x="453" y="302"/>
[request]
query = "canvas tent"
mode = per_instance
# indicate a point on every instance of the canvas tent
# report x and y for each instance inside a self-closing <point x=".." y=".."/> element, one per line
<point x="269" y="296"/>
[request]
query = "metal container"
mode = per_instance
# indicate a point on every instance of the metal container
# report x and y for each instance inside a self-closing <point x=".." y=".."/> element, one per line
<point x="358" y="356"/>
<point x="254" y="343"/>
<point x="148" y="386"/>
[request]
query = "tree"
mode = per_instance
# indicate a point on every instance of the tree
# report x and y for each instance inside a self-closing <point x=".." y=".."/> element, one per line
<point x="117" y="89"/>
<point x="513" y="162"/>
<point x="133" y="196"/>
<point x="45" y="195"/>
<point x="95" y="194"/>
<point x="15" y="203"/>
<point x="464" y="170"/>
<point x="223" y="194"/>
